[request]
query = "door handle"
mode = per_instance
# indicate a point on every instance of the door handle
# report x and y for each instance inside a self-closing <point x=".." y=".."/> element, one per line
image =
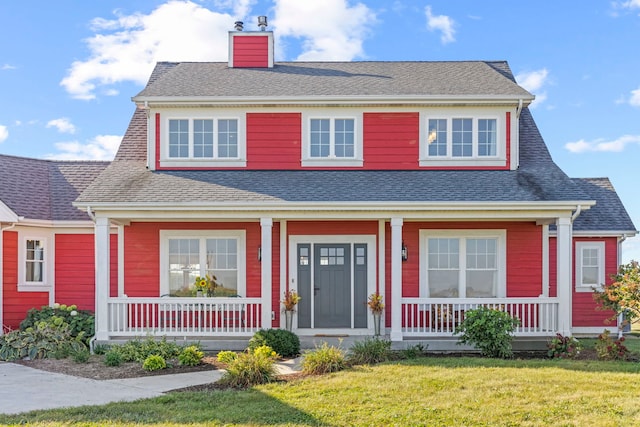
<point x="315" y="291"/>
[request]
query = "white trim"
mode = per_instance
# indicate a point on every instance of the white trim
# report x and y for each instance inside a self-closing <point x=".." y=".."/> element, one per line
<point x="48" y="242"/>
<point x="266" y="268"/>
<point x="332" y="115"/>
<point x="283" y="263"/>
<point x="396" y="277"/>
<point x="545" y="260"/>
<point x="198" y="114"/>
<point x="368" y="239"/>
<point x="501" y="253"/>
<point x="269" y="34"/>
<point x="240" y="235"/>
<point x="579" y="248"/>
<point x="593" y="330"/>
<point x="7" y="215"/>
<point x="121" y="263"/>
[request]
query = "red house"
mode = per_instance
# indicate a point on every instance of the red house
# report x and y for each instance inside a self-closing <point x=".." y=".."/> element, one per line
<point x="427" y="182"/>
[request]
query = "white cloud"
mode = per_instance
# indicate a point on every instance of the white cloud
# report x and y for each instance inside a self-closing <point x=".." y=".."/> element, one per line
<point x="331" y="29"/>
<point x="534" y="82"/>
<point x="635" y="97"/>
<point x="8" y="67"/>
<point x="4" y="133"/>
<point x="631" y="4"/>
<point x="63" y="125"/>
<point x="240" y="7"/>
<point x="441" y="23"/>
<point x="127" y="47"/>
<point x="602" y="145"/>
<point x="102" y="147"/>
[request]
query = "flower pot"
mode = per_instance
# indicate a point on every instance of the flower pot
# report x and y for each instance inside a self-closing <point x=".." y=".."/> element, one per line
<point x="199" y="294"/>
<point x="288" y="317"/>
<point x="377" y="318"/>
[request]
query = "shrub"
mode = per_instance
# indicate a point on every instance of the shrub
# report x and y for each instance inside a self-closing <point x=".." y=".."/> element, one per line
<point x="414" y="351"/>
<point x="191" y="356"/>
<point x="489" y="331"/>
<point x="45" y="339"/>
<point x="248" y="369"/>
<point x="285" y="343"/>
<point x="265" y="351"/>
<point x="227" y="356"/>
<point x="154" y="363"/>
<point x="101" y="349"/>
<point x="113" y="358"/>
<point x="623" y="294"/>
<point x="80" y="355"/>
<point x="137" y="350"/>
<point x="561" y="347"/>
<point x="369" y="351"/>
<point x="609" y="349"/>
<point x="323" y="360"/>
<point x="81" y="322"/>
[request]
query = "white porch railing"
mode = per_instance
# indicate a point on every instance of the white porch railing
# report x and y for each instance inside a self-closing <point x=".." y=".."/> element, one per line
<point x="438" y="317"/>
<point x="191" y="317"/>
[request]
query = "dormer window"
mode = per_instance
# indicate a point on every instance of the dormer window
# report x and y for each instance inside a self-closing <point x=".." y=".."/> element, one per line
<point x="196" y="138"/>
<point x="462" y="140"/>
<point x="332" y="141"/>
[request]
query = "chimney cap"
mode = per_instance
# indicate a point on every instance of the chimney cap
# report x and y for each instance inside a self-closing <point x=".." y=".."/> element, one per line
<point x="262" y="22"/>
<point x="238" y="25"/>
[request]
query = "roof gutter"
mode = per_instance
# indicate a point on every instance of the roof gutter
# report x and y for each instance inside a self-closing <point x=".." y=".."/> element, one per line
<point x="519" y="109"/>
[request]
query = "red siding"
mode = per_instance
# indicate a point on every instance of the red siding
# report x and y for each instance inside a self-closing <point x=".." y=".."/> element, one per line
<point x="15" y="304"/>
<point x="273" y="140"/>
<point x="250" y="51"/>
<point x="142" y="251"/>
<point x="391" y="140"/>
<point x="75" y="269"/>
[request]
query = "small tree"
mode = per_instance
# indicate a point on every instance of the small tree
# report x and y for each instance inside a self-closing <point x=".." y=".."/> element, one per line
<point x="623" y="295"/>
<point x="489" y="331"/>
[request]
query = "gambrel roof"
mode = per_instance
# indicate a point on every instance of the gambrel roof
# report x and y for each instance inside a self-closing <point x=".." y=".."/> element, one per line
<point x="45" y="189"/>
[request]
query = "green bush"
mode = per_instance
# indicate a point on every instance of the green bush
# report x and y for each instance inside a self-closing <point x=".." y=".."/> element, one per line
<point x="227" y="356"/>
<point x="283" y="342"/>
<point x="369" y="351"/>
<point x="44" y="340"/>
<point x="489" y="331"/>
<point x="113" y="358"/>
<point x="191" y="356"/>
<point x="609" y="349"/>
<point x="101" y="349"/>
<point x="266" y="351"/>
<point x="323" y="360"/>
<point x="154" y="363"/>
<point x="414" y="351"/>
<point x="561" y="347"/>
<point x="248" y="369"/>
<point x="81" y="322"/>
<point x="80" y="355"/>
<point x="138" y="350"/>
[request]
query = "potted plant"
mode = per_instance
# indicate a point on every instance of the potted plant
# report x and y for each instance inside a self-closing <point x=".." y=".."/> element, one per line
<point x="377" y="307"/>
<point x="206" y="285"/>
<point x="291" y="299"/>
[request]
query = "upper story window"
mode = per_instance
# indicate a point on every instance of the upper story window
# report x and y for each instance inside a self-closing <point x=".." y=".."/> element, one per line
<point x="203" y="138"/>
<point x="466" y="140"/>
<point x="331" y="141"/>
<point x="34" y="264"/>
<point x="589" y="266"/>
<point x="200" y="138"/>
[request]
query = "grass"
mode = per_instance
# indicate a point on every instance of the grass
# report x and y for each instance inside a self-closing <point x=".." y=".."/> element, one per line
<point x="425" y="391"/>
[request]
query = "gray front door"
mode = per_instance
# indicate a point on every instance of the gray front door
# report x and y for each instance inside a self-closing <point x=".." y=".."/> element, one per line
<point x="332" y="286"/>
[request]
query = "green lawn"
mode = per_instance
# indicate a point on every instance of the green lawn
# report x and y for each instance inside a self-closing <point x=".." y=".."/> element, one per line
<point x="427" y="391"/>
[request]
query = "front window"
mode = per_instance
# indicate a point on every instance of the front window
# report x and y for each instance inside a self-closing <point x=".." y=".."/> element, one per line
<point x="461" y="138"/>
<point x="204" y="139"/>
<point x="215" y="255"/>
<point x="459" y="266"/>
<point x="34" y="261"/>
<point x="589" y="265"/>
<point x="332" y="138"/>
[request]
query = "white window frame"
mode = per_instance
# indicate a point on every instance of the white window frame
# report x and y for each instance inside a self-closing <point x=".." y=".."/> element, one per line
<point x="580" y="247"/>
<point x="47" y="270"/>
<point x="501" y="253"/>
<point x="308" y="161"/>
<point x="448" y="160"/>
<point x="239" y="235"/>
<point x="166" y="161"/>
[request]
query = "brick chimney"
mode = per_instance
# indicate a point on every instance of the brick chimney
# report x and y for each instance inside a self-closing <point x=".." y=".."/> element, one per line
<point x="251" y="49"/>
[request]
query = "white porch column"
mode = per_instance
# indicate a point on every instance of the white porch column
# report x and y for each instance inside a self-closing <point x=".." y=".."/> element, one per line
<point x="266" y="225"/>
<point x="102" y="243"/>
<point x="396" y="279"/>
<point x="564" y="274"/>
<point x="545" y="260"/>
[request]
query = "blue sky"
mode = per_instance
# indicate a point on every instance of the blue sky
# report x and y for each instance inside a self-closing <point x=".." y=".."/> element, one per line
<point x="68" y="69"/>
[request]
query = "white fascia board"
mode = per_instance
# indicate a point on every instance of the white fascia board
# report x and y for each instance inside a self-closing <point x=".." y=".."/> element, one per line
<point x="414" y="210"/>
<point x="600" y="233"/>
<point x="56" y="224"/>
<point x="199" y="101"/>
<point x="6" y="214"/>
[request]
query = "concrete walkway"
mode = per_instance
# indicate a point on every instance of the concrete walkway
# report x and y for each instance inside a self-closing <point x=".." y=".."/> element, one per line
<point x="24" y="389"/>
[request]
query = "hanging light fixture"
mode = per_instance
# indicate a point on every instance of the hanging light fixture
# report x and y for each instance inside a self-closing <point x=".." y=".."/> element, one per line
<point x="405" y="252"/>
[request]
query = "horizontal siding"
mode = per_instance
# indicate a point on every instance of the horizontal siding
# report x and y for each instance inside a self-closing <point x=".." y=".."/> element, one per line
<point x="391" y="140"/>
<point x="75" y="270"/>
<point x="15" y="304"/>
<point x="142" y="255"/>
<point x="273" y="140"/>
<point x="251" y="51"/>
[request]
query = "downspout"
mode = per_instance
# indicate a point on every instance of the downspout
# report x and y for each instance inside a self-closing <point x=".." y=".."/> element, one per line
<point x="2" y="230"/>
<point x="519" y="109"/>
<point x="620" y="318"/>
<point x="92" y="341"/>
<point x="91" y="214"/>
<point x="576" y="214"/>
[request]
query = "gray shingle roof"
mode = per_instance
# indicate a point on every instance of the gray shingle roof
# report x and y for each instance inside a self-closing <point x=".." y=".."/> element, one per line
<point x="318" y="79"/>
<point x="608" y="213"/>
<point x="44" y="189"/>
